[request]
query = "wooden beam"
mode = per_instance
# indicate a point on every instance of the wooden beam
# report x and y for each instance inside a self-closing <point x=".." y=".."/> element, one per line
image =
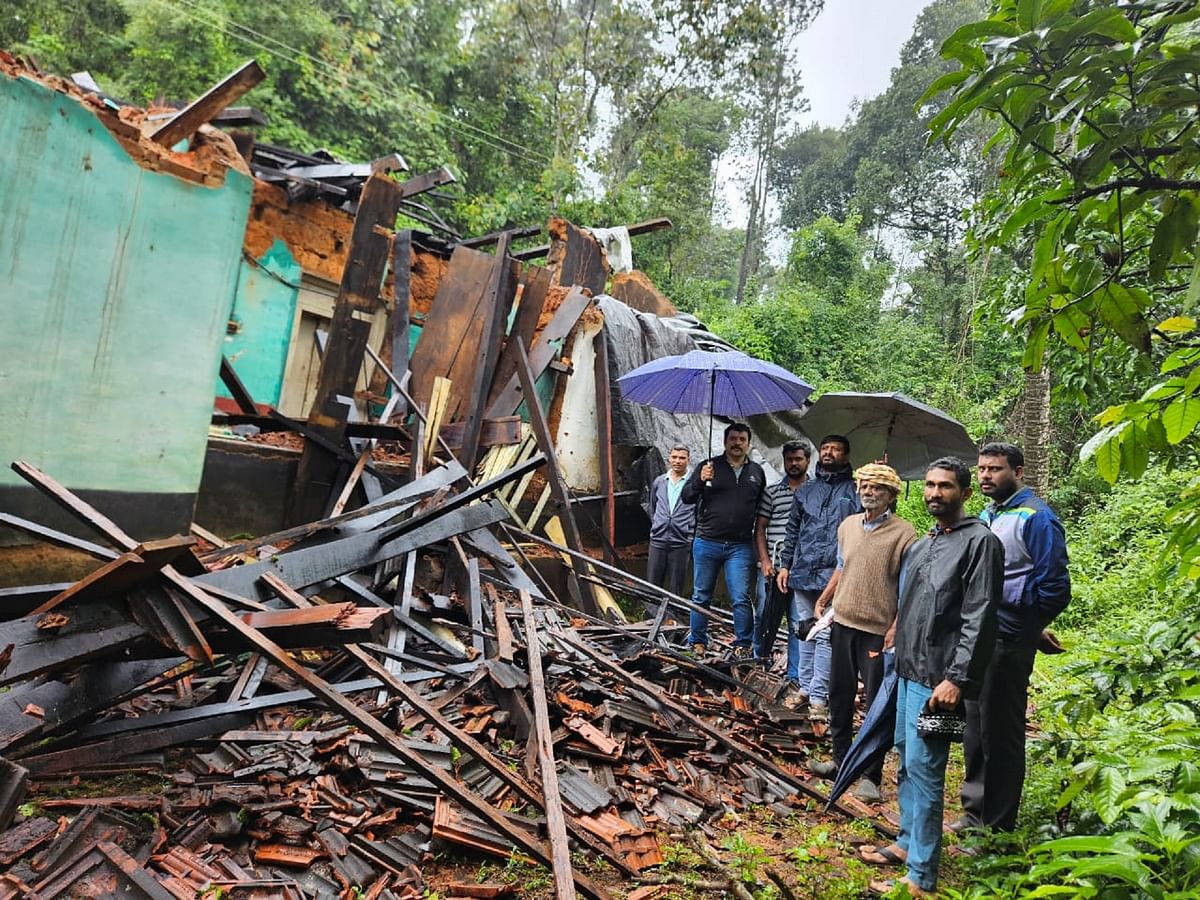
<point x="608" y="514"/>
<point x="172" y="617"/>
<point x="554" y="478"/>
<point x="634" y="230"/>
<point x="545" y="347"/>
<point x="236" y="388"/>
<point x="556" y="826"/>
<point x="202" y="110"/>
<point x="357" y="300"/>
<point x="402" y="292"/>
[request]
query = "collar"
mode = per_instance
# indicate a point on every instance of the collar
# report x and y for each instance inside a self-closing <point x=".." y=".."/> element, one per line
<point x="832" y="476"/>
<point x="939" y="529"/>
<point x="1018" y="498"/>
<point x="878" y="520"/>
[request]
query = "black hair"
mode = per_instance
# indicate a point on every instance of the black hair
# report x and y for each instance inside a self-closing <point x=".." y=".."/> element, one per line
<point x="737" y="426"/>
<point x="1011" y="452"/>
<point x="794" y="446"/>
<point x="962" y="474"/>
<point x="835" y="439"/>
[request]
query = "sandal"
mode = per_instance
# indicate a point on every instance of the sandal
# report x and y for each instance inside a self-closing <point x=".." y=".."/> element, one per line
<point x="886" y="888"/>
<point x="890" y="855"/>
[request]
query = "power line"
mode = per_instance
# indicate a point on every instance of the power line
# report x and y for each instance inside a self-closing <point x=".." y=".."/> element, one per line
<point x="294" y="55"/>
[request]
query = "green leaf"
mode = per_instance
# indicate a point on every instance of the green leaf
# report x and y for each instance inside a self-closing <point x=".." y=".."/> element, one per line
<point x="1135" y="450"/>
<point x="1166" y="239"/>
<point x="1180" y="359"/>
<point x="1028" y="13"/>
<point x="1105" y="447"/>
<point x="1193" y="381"/>
<point x="1181" y="417"/>
<point x="1098" y="21"/>
<point x="1072" y="325"/>
<point x="1106" y="794"/>
<point x="1034" y="208"/>
<point x="1035" y="346"/>
<point x="987" y="28"/>
<point x="945" y="82"/>
<point x="1120" y="310"/>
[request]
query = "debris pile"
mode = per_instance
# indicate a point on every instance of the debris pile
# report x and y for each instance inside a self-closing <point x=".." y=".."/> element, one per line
<point x="410" y="624"/>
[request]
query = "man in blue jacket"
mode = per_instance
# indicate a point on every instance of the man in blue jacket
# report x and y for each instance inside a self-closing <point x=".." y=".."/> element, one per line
<point x="1037" y="587"/>
<point x="810" y="557"/>
<point x="672" y="523"/>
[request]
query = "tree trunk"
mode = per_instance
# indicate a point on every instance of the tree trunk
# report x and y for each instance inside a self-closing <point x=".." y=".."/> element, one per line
<point x="1036" y="430"/>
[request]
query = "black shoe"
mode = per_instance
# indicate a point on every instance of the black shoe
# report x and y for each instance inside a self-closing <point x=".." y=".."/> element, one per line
<point x="823" y="769"/>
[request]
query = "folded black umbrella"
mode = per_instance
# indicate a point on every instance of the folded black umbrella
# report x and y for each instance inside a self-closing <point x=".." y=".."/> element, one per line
<point x="877" y="735"/>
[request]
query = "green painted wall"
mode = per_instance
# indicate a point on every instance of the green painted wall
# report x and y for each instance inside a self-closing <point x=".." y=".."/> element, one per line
<point x="263" y="309"/>
<point x="116" y="284"/>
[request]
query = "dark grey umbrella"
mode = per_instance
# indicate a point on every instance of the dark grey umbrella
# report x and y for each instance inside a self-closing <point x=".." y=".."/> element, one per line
<point x="908" y="433"/>
<point x="876" y="736"/>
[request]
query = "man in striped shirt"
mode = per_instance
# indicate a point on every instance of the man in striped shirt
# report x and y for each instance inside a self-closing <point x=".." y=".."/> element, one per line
<point x="770" y="532"/>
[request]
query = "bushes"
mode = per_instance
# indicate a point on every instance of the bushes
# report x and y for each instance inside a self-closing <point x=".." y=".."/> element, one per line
<point x="1112" y="807"/>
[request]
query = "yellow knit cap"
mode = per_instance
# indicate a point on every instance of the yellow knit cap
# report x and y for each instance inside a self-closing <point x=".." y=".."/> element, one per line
<point x="878" y="473"/>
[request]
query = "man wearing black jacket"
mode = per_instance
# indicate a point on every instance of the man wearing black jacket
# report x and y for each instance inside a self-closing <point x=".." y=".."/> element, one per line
<point x="726" y="491"/>
<point x="945" y="632"/>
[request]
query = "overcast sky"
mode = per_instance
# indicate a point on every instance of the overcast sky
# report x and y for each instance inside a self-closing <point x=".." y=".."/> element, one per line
<point x="847" y="54"/>
<point x="849" y="51"/>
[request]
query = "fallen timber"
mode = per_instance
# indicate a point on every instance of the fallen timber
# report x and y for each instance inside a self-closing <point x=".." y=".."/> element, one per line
<point x="633" y="732"/>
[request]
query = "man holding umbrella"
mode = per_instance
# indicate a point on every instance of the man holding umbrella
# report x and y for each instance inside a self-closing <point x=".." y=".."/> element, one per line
<point x="726" y="491"/>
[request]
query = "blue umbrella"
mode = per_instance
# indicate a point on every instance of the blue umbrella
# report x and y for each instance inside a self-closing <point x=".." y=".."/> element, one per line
<point x="876" y="736"/>
<point x="726" y="383"/>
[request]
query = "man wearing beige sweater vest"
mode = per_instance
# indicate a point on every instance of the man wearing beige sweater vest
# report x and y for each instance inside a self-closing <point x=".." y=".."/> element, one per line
<point x="863" y="591"/>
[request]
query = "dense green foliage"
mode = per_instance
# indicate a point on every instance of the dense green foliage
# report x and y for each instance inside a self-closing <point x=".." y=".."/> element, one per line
<point x="1093" y="107"/>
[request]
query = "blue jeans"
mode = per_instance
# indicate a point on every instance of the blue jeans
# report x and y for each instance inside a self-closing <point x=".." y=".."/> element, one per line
<point x="813" y="658"/>
<point x="737" y="559"/>
<point x="793" y="642"/>
<point x="922" y="786"/>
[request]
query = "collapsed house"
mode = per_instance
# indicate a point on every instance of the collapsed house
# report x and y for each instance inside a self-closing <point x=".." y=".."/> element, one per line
<point x="401" y="660"/>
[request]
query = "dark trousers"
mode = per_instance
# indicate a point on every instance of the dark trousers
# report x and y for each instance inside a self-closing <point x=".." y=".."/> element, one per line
<point x="855" y="655"/>
<point x="994" y="742"/>
<point x="668" y="567"/>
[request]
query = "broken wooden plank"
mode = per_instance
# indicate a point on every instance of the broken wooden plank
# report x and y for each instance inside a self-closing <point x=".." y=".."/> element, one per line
<point x="449" y="345"/>
<point x="547" y="345"/>
<point x="581" y="591"/>
<point x="429" y="711"/>
<point x="116" y="578"/>
<point x="535" y="285"/>
<point x="497" y="300"/>
<point x="368" y="516"/>
<point x="312" y="565"/>
<point x="170" y="616"/>
<point x="200" y="111"/>
<point x="239" y="392"/>
<point x="357" y="301"/>
<point x="604" y="438"/>
<point x="560" y="851"/>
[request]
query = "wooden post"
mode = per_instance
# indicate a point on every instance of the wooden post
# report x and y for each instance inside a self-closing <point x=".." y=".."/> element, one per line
<point x="604" y="450"/>
<point x="556" y="826"/>
<point x="581" y="591"/>
<point x="357" y="301"/>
